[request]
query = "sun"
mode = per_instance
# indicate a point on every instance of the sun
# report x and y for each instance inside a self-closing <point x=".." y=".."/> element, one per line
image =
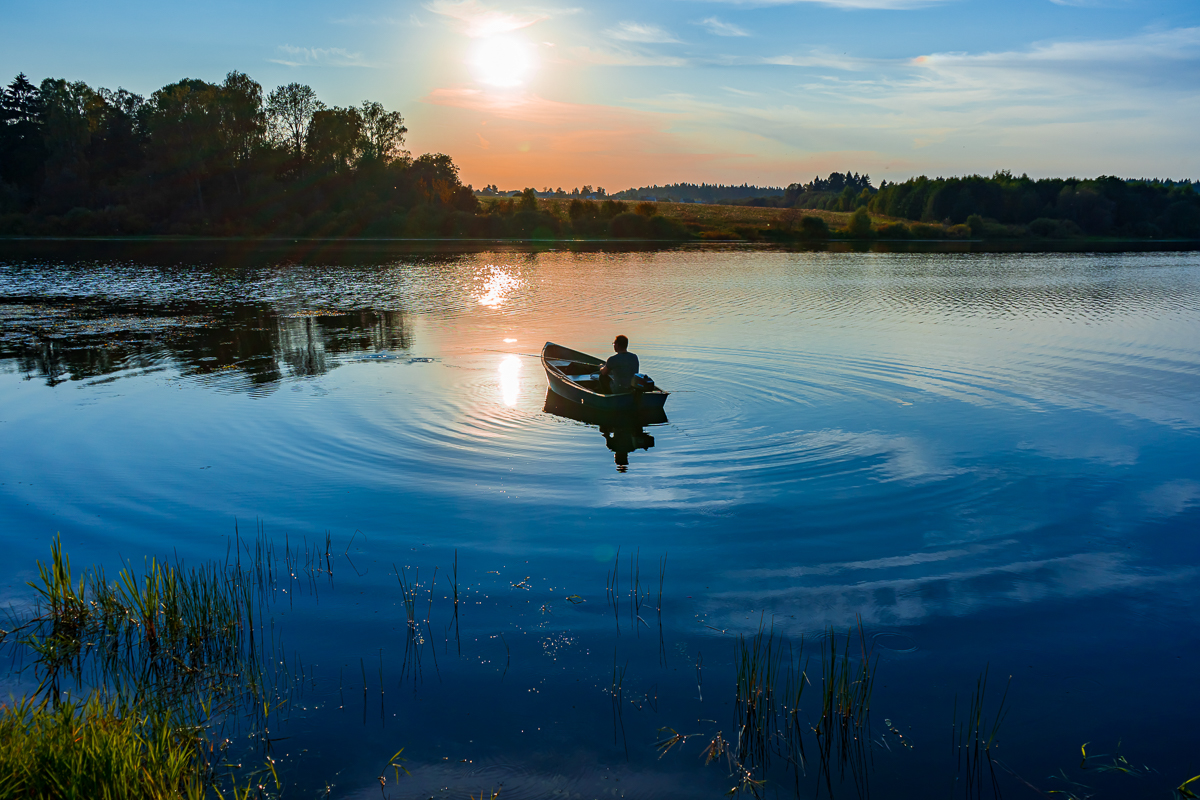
<point x="503" y="61"/>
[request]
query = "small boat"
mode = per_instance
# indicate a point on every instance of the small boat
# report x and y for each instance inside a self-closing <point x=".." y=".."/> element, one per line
<point x="575" y="377"/>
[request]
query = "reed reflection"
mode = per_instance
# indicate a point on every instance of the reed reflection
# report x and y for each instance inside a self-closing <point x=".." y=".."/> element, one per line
<point x="623" y="432"/>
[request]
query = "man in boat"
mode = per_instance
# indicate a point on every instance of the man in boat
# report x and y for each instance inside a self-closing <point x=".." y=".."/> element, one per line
<point x="617" y="373"/>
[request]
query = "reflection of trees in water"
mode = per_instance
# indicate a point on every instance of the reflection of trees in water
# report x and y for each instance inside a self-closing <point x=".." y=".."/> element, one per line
<point x="60" y="340"/>
<point x="306" y="341"/>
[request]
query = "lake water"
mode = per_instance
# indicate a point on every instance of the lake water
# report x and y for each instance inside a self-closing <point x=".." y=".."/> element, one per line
<point x="991" y="461"/>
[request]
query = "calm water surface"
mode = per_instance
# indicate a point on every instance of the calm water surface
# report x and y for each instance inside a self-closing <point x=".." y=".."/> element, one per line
<point x="992" y="461"/>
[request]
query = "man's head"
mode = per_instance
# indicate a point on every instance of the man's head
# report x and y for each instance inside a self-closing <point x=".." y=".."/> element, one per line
<point x="621" y="343"/>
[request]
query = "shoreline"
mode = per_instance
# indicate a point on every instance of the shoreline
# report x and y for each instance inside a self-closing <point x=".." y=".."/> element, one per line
<point x="1088" y="244"/>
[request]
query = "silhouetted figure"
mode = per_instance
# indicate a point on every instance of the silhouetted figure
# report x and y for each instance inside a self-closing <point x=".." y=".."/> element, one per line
<point x="617" y="373"/>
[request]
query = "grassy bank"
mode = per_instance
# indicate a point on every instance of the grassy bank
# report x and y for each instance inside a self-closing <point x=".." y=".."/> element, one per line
<point x="93" y="749"/>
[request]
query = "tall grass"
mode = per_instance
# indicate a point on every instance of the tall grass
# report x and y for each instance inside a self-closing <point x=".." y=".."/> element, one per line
<point x="143" y="669"/>
<point x="92" y="749"/>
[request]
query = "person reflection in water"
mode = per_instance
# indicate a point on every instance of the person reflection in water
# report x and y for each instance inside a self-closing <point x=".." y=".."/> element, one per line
<point x="622" y="441"/>
<point x="617" y="373"/>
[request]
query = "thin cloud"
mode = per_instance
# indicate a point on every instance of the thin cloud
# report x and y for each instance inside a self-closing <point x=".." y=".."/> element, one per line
<point x="879" y="5"/>
<point x="318" y="57"/>
<point x="1180" y="44"/>
<point x="719" y="27"/>
<point x="817" y="60"/>
<point x="363" y="21"/>
<point x="478" y="21"/>
<point x="624" y="58"/>
<point x="640" y="32"/>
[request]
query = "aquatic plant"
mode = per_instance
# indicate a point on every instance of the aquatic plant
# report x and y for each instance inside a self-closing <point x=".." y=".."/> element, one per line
<point x="973" y="739"/>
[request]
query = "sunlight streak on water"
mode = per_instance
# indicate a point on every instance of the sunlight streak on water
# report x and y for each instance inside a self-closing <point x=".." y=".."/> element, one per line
<point x="497" y="287"/>
<point x="510" y="380"/>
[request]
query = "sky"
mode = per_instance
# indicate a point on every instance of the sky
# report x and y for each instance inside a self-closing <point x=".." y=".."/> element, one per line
<point x="623" y="94"/>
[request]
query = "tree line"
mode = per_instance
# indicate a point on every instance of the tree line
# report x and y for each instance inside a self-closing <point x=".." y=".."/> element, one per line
<point x="699" y="192"/>
<point x="214" y="158"/>
<point x="1104" y="206"/>
<point x="1006" y="206"/>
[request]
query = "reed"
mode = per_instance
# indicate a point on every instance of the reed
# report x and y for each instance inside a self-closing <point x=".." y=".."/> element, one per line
<point x="842" y="731"/>
<point x="611" y="582"/>
<point x="408" y="592"/>
<point x="166" y="633"/>
<point x="758" y="661"/>
<point x="453" y="578"/>
<point x="662" y="575"/>
<point x="769" y="718"/>
<point x="974" y="737"/>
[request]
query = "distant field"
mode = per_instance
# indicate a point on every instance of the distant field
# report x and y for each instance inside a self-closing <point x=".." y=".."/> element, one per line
<point x="712" y="220"/>
<point x="716" y="217"/>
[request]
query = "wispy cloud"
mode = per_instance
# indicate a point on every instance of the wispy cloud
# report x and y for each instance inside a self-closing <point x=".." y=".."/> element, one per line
<point x="719" y="27"/>
<point x="640" y="32"/>
<point x="478" y="21"/>
<point x="624" y="58"/>
<point x="814" y="59"/>
<point x="318" y="57"/>
<point x="882" y="5"/>
<point x="363" y="21"/>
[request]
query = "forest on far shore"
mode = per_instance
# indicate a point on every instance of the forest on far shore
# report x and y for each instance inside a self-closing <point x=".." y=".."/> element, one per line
<point x="228" y="159"/>
<point x="1006" y="206"/>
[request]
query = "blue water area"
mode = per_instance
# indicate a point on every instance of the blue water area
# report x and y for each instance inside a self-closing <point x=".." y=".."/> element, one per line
<point x="967" y="462"/>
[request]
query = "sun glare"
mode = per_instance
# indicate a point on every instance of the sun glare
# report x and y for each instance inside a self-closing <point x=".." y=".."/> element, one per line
<point x="503" y="61"/>
<point x="510" y="380"/>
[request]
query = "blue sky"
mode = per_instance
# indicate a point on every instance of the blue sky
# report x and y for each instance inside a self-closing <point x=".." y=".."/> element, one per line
<point x="627" y="93"/>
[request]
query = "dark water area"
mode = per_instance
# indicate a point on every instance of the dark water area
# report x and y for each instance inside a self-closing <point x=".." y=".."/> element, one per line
<point x="986" y="460"/>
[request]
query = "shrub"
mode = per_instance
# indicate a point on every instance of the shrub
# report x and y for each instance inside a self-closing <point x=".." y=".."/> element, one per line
<point x="630" y="226"/>
<point x="814" y="228"/>
<point x="1043" y="226"/>
<point x="1067" y="229"/>
<point x="581" y="208"/>
<point x="859" y="224"/>
<point x="922" y="230"/>
<point x="894" y="230"/>
<point x="612" y="208"/>
<point x="646" y="209"/>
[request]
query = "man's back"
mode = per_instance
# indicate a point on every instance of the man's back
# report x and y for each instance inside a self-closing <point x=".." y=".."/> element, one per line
<point x="621" y="369"/>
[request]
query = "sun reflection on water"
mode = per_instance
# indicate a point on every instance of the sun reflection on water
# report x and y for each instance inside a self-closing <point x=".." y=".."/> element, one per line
<point x="498" y="284"/>
<point x="510" y="380"/>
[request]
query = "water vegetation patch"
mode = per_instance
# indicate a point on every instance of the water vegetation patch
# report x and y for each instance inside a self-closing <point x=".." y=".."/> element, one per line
<point x="142" y="683"/>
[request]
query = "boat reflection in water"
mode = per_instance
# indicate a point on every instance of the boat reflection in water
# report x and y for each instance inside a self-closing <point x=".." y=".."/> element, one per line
<point x="624" y="431"/>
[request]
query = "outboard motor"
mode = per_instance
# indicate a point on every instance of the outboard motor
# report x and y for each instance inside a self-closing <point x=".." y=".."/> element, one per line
<point x="643" y="382"/>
